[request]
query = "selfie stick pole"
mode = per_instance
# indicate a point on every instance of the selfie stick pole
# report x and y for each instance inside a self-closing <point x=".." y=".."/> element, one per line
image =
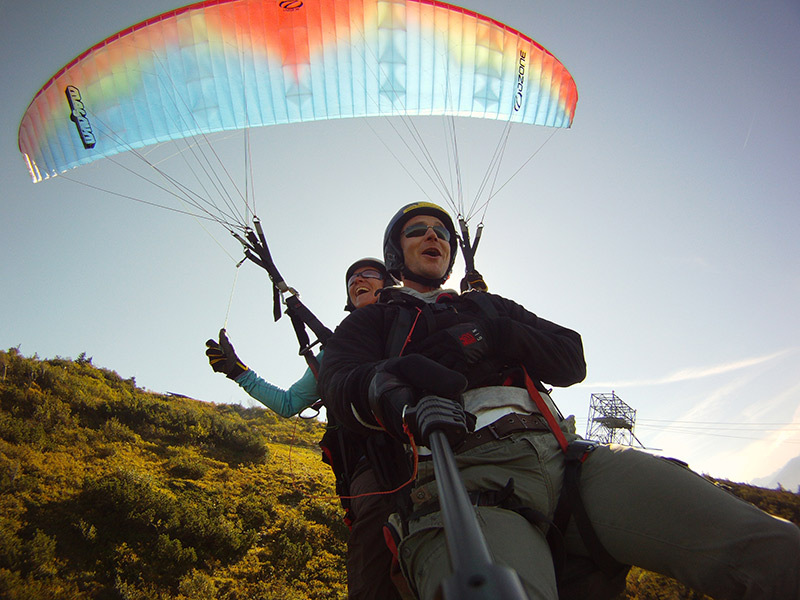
<point x="474" y="575"/>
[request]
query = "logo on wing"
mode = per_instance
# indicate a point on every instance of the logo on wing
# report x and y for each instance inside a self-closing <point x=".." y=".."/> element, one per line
<point x="78" y="116"/>
<point x="520" y="80"/>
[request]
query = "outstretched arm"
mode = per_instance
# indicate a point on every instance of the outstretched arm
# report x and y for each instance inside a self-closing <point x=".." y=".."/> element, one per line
<point x="223" y="359"/>
<point x="301" y="394"/>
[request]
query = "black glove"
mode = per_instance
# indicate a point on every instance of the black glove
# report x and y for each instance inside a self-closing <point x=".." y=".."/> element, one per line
<point x="223" y="358"/>
<point x="434" y="413"/>
<point x="461" y="345"/>
<point x="400" y="382"/>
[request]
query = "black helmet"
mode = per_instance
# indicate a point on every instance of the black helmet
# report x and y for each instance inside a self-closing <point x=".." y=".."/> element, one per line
<point x="392" y="252"/>
<point x="363" y="262"/>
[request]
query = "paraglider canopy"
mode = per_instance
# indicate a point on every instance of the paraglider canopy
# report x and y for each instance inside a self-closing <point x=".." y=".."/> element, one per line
<point x="233" y="64"/>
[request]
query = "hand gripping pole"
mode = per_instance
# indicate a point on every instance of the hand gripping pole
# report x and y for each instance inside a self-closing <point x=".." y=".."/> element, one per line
<point x="474" y="575"/>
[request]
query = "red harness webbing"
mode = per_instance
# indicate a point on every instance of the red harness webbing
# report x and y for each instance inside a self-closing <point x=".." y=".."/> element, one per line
<point x="546" y="412"/>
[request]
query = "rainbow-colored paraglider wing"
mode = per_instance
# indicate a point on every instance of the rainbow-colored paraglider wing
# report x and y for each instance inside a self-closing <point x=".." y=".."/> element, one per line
<point x="221" y="65"/>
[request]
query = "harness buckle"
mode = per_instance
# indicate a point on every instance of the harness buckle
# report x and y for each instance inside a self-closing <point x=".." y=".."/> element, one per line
<point x="577" y="450"/>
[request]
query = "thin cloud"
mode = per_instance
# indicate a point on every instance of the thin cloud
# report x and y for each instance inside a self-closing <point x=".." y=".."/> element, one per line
<point x="693" y="373"/>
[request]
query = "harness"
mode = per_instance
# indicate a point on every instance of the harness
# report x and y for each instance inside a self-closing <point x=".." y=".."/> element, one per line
<point x="570" y="504"/>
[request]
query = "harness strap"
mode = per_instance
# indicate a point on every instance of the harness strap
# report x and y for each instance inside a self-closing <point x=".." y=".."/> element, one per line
<point x="570" y="504"/>
<point x="392" y="539"/>
<point x="545" y="410"/>
<point x="400" y="332"/>
<point x="504" y="498"/>
<point x="301" y="317"/>
<point x="570" y="501"/>
<point x="297" y="310"/>
<point x="472" y="279"/>
<point x="482" y="302"/>
<point x="476" y="498"/>
<point x="257" y="250"/>
<point x="332" y="446"/>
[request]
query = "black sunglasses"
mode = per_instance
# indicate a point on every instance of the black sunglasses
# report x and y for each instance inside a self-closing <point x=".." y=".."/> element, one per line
<point x="420" y="229"/>
<point x="365" y="274"/>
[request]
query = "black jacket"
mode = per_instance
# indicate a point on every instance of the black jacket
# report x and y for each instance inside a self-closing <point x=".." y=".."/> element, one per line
<point x="548" y="352"/>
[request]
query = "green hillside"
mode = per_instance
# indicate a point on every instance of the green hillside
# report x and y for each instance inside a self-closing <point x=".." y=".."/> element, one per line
<point x="108" y="491"/>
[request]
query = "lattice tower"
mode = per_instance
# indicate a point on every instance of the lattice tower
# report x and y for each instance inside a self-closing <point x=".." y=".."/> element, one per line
<point x="611" y="420"/>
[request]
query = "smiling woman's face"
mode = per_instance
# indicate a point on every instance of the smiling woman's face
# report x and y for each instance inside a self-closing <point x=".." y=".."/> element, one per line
<point x="362" y="289"/>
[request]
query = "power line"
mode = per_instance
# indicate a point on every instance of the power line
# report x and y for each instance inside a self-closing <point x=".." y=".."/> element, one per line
<point x="695" y="432"/>
<point x="779" y="423"/>
<point x="746" y="427"/>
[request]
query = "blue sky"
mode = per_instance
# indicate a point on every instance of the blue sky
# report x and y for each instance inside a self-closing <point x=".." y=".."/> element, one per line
<point x="662" y="226"/>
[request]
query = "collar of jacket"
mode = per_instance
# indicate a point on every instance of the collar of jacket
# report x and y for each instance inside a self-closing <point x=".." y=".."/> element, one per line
<point x="408" y="295"/>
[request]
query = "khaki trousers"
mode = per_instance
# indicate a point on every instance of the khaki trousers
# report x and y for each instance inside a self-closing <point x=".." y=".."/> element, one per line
<point x="647" y="511"/>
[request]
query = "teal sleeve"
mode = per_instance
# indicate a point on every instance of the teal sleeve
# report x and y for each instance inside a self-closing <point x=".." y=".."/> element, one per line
<point x="301" y="394"/>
